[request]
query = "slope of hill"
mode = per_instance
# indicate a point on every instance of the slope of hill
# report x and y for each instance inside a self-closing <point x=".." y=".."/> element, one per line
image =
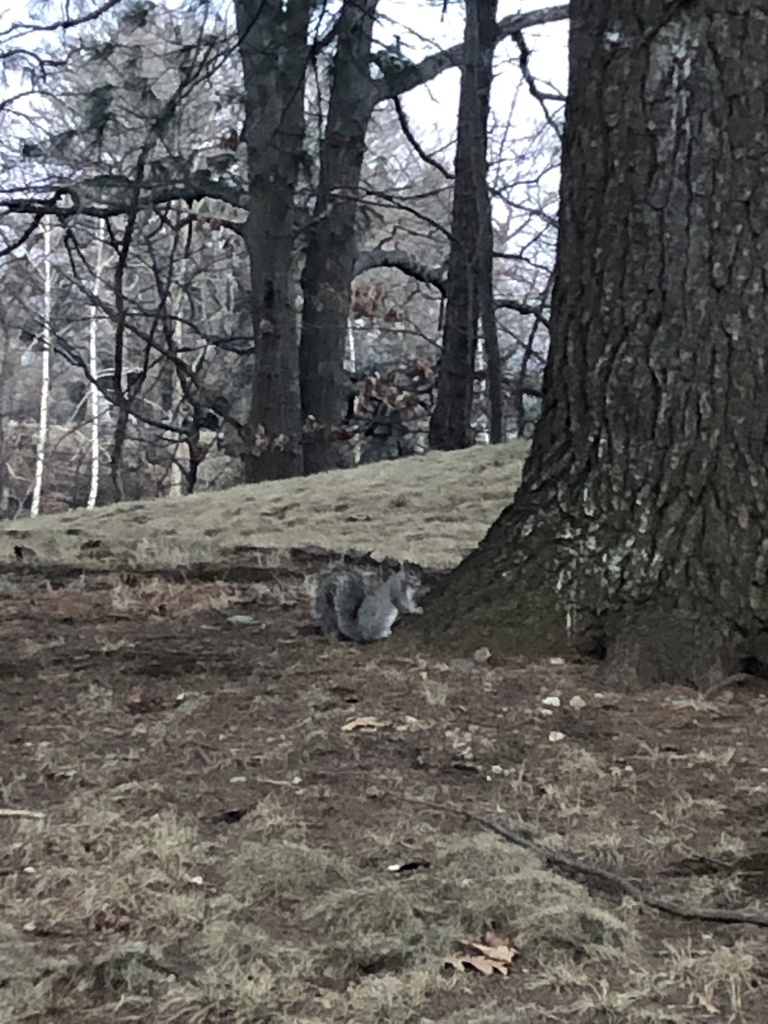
<point x="432" y="508"/>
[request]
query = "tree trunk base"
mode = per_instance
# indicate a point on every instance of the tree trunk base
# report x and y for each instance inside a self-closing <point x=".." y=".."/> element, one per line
<point x="653" y="646"/>
<point x="513" y="605"/>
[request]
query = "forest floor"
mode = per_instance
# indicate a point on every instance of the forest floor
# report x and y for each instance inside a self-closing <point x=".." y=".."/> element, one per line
<point x="210" y="813"/>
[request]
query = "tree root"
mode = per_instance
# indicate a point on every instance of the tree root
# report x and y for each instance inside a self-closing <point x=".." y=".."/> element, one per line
<point x="564" y="860"/>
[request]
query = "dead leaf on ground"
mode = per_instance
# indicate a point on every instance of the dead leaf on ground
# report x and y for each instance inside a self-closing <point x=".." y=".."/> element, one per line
<point x="491" y="955"/>
<point x="369" y="723"/>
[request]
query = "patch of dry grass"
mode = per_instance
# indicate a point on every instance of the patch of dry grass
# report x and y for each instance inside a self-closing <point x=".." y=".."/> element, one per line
<point x="149" y="918"/>
<point x="118" y="915"/>
<point x="432" y="508"/>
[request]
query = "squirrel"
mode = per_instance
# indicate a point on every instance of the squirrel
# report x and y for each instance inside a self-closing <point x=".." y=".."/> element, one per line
<point x="357" y="605"/>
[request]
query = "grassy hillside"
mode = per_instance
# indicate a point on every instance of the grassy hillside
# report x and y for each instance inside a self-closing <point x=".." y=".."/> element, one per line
<point x="433" y="509"/>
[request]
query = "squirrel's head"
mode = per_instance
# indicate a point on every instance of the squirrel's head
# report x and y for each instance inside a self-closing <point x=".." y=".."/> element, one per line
<point x="411" y="571"/>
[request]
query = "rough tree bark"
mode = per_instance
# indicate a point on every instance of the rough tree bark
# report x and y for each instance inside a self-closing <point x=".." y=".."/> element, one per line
<point x="450" y="424"/>
<point x="273" y="49"/>
<point x="639" y="529"/>
<point x="332" y="239"/>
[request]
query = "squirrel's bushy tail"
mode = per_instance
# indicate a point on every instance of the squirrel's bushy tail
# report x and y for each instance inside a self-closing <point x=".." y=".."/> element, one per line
<point x="338" y="598"/>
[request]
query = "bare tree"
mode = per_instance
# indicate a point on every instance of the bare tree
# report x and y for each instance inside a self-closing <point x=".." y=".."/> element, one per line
<point x="45" y="377"/>
<point x="277" y="44"/>
<point x="332" y="236"/>
<point x="330" y="263"/>
<point x="93" y="368"/>
<point x="638" y="530"/>
<point x="471" y="244"/>
<point x="272" y="37"/>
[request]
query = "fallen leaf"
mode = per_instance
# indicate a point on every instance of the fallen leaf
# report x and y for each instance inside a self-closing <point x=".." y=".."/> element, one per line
<point x="476" y="963"/>
<point x="492" y="954"/>
<point x="367" y="722"/>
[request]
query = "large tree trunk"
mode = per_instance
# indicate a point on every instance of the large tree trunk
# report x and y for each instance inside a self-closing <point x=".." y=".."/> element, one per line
<point x="639" y="527"/>
<point x="332" y="241"/>
<point x="450" y="423"/>
<point x="273" y="49"/>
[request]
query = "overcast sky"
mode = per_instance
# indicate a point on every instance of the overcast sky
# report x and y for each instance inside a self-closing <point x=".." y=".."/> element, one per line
<point x="423" y="28"/>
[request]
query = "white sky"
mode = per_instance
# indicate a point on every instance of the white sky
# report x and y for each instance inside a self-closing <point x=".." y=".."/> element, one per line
<point x="435" y="106"/>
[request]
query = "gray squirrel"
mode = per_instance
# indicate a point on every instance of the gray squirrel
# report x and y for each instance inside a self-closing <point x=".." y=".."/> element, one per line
<point x="357" y="605"/>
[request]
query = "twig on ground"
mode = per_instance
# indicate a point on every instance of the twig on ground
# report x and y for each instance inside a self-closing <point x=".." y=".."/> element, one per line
<point x="19" y="812"/>
<point x="737" y="679"/>
<point x="564" y="860"/>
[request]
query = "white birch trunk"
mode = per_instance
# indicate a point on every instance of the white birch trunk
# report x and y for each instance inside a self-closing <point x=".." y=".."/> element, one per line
<point x="93" y="370"/>
<point x="350" y="349"/>
<point x="45" y="382"/>
<point x="350" y="365"/>
<point x="175" y="488"/>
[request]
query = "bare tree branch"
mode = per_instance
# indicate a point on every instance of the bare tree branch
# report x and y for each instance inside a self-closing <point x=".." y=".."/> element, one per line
<point x="406" y="77"/>
<point x="65" y="23"/>
<point x="408" y="133"/>
<point x="373" y="258"/>
<point x="533" y="87"/>
<point x="201" y="187"/>
<point x="522" y="307"/>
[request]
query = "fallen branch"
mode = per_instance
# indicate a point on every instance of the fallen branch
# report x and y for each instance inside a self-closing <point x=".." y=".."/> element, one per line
<point x="18" y="812"/>
<point x="564" y="860"/>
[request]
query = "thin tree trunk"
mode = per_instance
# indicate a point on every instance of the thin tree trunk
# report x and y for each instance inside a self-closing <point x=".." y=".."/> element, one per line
<point x="119" y="437"/>
<point x="5" y="388"/>
<point x="450" y="424"/>
<point x="273" y="49"/>
<point x="493" y="366"/>
<point x="332" y="241"/>
<point x="175" y="475"/>
<point x="639" y="529"/>
<point x="45" y="380"/>
<point x="522" y="386"/>
<point x="93" y="368"/>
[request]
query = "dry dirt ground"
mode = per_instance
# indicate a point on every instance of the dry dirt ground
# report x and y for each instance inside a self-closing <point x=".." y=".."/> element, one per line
<point x="211" y="814"/>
